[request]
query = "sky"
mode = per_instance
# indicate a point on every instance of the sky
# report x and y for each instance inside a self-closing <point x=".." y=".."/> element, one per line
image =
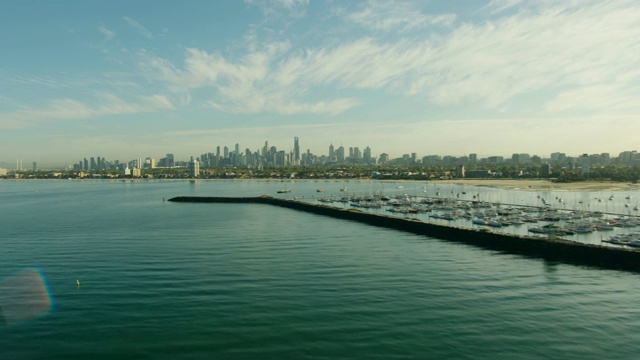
<point x="134" y="79"/>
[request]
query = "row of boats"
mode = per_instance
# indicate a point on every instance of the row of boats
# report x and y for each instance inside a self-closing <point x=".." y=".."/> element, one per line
<point x="557" y="222"/>
<point x="630" y="239"/>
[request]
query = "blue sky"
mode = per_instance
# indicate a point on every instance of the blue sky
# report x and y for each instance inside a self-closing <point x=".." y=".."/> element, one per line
<point x="135" y="79"/>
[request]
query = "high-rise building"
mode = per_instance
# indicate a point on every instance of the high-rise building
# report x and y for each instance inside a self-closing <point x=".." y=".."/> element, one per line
<point x="332" y="153"/>
<point x="280" y="158"/>
<point x="296" y="151"/>
<point x="194" y="167"/>
<point x="367" y="155"/>
<point x="340" y="154"/>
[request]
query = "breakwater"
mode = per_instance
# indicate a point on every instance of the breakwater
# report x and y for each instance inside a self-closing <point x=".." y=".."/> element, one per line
<point x="549" y="249"/>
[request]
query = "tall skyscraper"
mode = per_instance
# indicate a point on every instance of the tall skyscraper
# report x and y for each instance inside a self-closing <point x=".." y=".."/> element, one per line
<point x="332" y="153"/>
<point x="296" y="151"/>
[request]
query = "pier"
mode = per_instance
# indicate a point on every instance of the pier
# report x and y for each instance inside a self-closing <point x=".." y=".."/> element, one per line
<point x="547" y="248"/>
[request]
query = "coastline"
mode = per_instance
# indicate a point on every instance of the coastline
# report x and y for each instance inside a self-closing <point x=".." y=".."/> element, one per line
<point x="504" y="184"/>
<point x="544" y="185"/>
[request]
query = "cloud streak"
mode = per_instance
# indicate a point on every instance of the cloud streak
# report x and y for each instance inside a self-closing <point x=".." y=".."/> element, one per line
<point x="70" y="109"/>
<point x="106" y="32"/>
<point x="136" y="25"/>
<point x="395" y="15"/>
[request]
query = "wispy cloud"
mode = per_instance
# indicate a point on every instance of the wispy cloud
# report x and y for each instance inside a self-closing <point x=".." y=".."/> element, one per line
<point x="109" y="34"/>
<point x="136" y="25"/>
<point x="292" y="8"/>
<point x="554" y="49"/>
<point x="256" y="84"/>
<point x="395" y="15"/>
<point x="497" y="6"/>
<point x="70" y="109"/>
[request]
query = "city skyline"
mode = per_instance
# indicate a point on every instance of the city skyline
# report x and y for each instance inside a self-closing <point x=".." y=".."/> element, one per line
<point x="267" y="154"/>
<point x="132" y="80"/>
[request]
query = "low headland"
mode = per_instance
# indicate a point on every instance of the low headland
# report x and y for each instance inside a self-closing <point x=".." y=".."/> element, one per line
<point x="549" y="248"/>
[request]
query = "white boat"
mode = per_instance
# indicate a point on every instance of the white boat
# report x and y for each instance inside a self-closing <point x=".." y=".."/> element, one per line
<point x="479" y="221"/>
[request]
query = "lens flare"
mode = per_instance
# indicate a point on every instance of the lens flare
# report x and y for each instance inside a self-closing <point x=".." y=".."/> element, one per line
<point x="24" y="297"/>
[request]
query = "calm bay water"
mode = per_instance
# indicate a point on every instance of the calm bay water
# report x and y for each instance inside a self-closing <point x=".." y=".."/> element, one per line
<point x="161" y="280"/>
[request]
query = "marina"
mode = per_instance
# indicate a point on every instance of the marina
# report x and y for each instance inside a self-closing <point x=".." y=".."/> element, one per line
<point x="592" y="238"/>
<point x="597" y="218"/>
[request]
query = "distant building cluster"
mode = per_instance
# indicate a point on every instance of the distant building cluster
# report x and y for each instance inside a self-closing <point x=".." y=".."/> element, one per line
<point x="270" y="156"/>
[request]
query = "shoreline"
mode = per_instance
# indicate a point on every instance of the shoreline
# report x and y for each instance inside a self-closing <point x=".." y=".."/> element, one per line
<point x="545" y="185"/>
<point x="503" y="184"/>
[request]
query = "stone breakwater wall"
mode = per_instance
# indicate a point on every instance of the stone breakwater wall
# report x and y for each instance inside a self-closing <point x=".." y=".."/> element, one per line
<point x="550" y="249"/>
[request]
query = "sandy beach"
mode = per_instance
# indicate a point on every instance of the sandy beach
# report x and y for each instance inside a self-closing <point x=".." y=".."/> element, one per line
<point x="544" y="185"/>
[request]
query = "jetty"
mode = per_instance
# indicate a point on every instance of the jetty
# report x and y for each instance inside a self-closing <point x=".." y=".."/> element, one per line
<point x="550" y="248"/>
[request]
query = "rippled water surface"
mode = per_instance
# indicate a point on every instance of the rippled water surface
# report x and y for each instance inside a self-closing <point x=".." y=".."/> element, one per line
<point x="162" y="280"/>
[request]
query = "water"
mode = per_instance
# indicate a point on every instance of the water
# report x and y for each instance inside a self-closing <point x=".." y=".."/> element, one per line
<point x="163" y="280"/>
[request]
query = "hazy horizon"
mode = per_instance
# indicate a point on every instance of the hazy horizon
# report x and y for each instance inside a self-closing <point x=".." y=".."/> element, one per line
<point x="126" y="80"/>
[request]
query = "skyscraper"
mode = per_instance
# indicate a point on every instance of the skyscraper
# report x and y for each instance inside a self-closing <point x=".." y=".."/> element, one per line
<point x="296" y="151"/>
<point x="340" y="154"/>
<point x="367" y="155"/>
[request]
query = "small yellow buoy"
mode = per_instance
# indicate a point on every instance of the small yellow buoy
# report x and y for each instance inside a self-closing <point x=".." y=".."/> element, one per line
<point x="78" y="283"/>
